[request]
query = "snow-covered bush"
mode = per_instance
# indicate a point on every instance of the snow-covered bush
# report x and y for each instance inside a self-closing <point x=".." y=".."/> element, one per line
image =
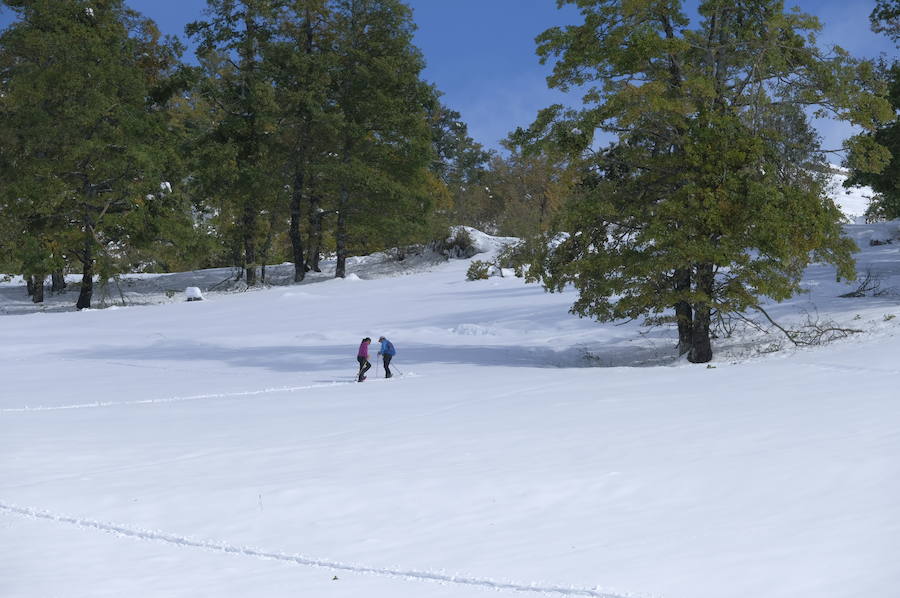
<point x="515" y="257"/>
<point x="479" y="270"/>
<point x="460" y="245"/>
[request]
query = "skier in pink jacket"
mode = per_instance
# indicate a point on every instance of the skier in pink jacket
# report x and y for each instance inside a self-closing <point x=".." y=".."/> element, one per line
<point x="362" y="356"/>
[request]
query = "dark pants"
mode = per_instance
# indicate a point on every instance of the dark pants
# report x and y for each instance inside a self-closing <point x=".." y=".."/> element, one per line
<point x="387" y="363"/>
<point x="364" y="366"/>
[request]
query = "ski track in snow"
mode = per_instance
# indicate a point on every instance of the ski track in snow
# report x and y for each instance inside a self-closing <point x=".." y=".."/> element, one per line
<point x="224" y="395"/>
<point x="405" y="574"/>
<point x="837" y="367"/>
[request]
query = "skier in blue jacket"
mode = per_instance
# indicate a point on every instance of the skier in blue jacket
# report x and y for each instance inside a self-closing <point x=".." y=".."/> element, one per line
<point x="387" y="351"/>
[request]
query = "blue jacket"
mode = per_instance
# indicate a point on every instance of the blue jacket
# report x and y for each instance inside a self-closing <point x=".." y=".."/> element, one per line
<point x="387" y="348"/>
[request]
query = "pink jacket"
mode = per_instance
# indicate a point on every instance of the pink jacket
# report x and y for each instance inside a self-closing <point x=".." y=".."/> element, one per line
<point x="363" y="350"/>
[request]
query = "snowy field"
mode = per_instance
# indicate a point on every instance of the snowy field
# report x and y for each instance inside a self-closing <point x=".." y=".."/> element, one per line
<point x="220" y="448"/>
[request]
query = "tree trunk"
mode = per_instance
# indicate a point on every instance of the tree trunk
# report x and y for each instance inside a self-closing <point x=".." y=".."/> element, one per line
<point x="683" y="311"/>
<point x="299" y="179"/>
<point x="38" y="284"/>
<point x="340" y="270"/>
<point x="29" y="284"/>
<point x="701" y="346"/>
<point x="87" y="277"/>
<point x="296" y="238"/>
<point x="87" y="263"/>
<point x="248" y="153"/>
<point x="87" y="286"/>
<point x="315" y="233"/>
<point x="57" y="282"/>
<point x="264" y="251"/>
<point x="249" y="233"/>
<point x="263" y="259"/>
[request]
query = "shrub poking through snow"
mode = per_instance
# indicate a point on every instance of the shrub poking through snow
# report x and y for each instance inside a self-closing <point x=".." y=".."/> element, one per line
<point x="478" y="270"/>
<point x="514" y="256"/>
<point x="511" y="260"/>
<point x="461" y="245"/>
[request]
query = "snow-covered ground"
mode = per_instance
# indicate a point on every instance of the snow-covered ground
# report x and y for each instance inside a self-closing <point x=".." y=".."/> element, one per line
<point x="221" y="448"/>
<point x="853" y="201"/>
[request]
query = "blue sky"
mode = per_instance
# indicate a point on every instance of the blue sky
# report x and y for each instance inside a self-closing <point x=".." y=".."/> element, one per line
<point x="480" y="53"/>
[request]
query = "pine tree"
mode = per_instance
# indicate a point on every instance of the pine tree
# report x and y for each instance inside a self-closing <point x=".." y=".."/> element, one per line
<point x="241" y="170"/>
<point x="696" y="208"/>
<point x="384" y="142"/>
<point x="885" y="18"/>
<point x="886" y="183"/>
<point x="84" y="121"/>
<point x="303" y="65"/>
<point x="461" y="164"/>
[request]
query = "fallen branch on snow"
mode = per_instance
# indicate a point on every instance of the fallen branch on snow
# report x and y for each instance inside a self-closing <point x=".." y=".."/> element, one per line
<point x="813" y="332"/>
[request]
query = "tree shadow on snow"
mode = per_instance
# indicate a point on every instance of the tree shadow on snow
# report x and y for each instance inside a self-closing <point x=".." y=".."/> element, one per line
<point x="321" y="358"/>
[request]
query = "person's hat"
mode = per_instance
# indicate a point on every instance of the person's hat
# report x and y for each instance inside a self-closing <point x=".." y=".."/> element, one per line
<point x="380" y="338"/>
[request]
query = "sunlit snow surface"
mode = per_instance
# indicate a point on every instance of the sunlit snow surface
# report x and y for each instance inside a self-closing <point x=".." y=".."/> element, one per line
<point x="221" y="448"/>
<point x="853" y="201"/>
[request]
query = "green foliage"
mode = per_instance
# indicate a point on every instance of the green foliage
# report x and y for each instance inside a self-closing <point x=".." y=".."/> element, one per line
<point x="461" y="165"/>
<point x="461" y="244"/>
<point x="881" y="147"/>
<point x="384" y="141"/>
<point x="303" y="118"/>
<point x="529" y="187"/>
<point x="516" y="257"/>
<point x="709" y="199"/>
<point x="86" y="134"/>
<point x="239" y="88"/>
<point x="317" y="117"/>
<point x="513" y="256"/>
<point x="885" y="18"/>
<point x="479" y="270"/>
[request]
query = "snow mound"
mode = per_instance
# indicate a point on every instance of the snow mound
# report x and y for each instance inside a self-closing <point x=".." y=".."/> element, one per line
<point x="484" y="242"/>
<point x="875" y="233"/>
<point x="852" y="201"/>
